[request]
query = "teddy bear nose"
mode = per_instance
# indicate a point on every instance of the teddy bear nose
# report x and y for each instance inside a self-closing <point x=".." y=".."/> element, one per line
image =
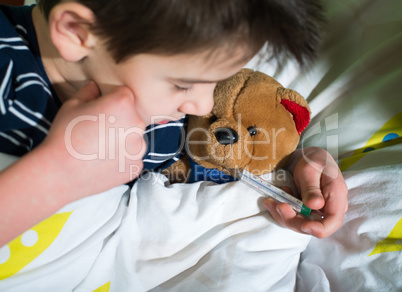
<point x="226" y="136"/>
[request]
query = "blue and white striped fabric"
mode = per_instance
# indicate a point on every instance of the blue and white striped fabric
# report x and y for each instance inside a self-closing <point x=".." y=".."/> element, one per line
<point x="165" y="144"/>
<point x="28" y="103"/>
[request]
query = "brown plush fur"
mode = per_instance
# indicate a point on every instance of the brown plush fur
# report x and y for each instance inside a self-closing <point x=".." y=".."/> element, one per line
<point x="250" y="101"/>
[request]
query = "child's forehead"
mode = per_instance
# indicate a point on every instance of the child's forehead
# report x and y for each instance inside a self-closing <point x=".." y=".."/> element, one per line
<point x="219" y="57"/>
<point x="212" y="65"/>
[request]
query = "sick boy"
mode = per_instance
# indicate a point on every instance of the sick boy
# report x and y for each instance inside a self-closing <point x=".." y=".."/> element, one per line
<point x="131" y="64"/>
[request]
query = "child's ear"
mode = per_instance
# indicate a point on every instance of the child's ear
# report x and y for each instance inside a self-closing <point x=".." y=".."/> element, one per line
<point x="69" y="25"/>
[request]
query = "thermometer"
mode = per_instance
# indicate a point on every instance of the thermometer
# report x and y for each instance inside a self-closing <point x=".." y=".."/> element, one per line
<point x="270" y="191"/>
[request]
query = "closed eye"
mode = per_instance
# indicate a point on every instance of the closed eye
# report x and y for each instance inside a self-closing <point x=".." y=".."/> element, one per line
<point x="182" y="88"/>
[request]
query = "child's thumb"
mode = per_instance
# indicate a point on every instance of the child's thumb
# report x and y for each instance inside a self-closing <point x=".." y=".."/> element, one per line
<point x="88" y="92"/>
<point x="309" y="184"/>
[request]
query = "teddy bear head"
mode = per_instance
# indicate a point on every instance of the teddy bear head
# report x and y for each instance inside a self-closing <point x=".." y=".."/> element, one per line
<point x="255" y="124"/>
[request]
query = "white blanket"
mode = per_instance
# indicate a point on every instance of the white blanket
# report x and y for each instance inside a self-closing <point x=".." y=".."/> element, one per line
<point x="182" y="237"/>
<point x="198" y="237"/>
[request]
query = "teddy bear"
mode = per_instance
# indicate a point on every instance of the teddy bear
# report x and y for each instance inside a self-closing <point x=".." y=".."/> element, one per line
<point x="255" y="124"/>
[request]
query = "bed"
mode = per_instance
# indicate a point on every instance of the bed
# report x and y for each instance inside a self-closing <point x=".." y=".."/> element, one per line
<point x="194" y="237"/>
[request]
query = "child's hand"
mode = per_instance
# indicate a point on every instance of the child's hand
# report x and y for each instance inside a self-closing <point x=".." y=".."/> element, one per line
<point x="321" y="185"/>
<point x="98" y="141"/>
<point x="94" y="144"/>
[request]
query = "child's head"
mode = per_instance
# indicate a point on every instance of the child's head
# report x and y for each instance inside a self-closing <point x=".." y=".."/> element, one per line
<point x="171" y="53"/>
<point x="170" y="27"/>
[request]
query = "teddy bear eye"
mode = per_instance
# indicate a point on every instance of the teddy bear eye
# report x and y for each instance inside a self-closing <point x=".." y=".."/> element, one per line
<point x="213" y="119"/>
<point x="252" y="130"/>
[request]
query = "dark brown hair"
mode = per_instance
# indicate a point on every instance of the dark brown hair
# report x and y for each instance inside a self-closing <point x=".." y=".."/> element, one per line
<point x="291" y="28"/>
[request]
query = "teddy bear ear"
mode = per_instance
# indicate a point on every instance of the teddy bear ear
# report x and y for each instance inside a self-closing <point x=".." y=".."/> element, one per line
<point x="297" y="106"/>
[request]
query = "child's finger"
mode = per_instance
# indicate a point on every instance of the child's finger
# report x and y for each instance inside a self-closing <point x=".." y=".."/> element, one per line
<point x="287" y="189"/>
<point x="285" y="215"/>
<point x="310" y="187"/>
<point x="336" y="204"/>
<point x="329" y="225"/>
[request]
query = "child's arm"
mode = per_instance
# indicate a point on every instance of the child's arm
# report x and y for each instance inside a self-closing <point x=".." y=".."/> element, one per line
<point x="54" y="174"/>
<point x="321" y="184"/>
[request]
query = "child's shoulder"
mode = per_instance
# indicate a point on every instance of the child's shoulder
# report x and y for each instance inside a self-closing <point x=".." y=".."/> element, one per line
<point x="27" y="103"/>
<point x="16" y="31"/>
<point x="17" y="42"/>
<point x="14" y="18"/>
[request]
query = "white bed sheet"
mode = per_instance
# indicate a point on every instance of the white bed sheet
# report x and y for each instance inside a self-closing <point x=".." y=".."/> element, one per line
<point x="160" y="237"/>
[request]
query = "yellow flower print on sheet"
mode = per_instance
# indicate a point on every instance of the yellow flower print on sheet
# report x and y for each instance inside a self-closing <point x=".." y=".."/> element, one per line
<point x="389" y="134"/>
<point x="103" y="288"/>
<point x="17" y="254"/>
<point x="393" y="242"/>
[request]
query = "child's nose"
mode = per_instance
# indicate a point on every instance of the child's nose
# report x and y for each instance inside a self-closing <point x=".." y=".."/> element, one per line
<point x="199" y="107"/>
<point x="201" y="102"/>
